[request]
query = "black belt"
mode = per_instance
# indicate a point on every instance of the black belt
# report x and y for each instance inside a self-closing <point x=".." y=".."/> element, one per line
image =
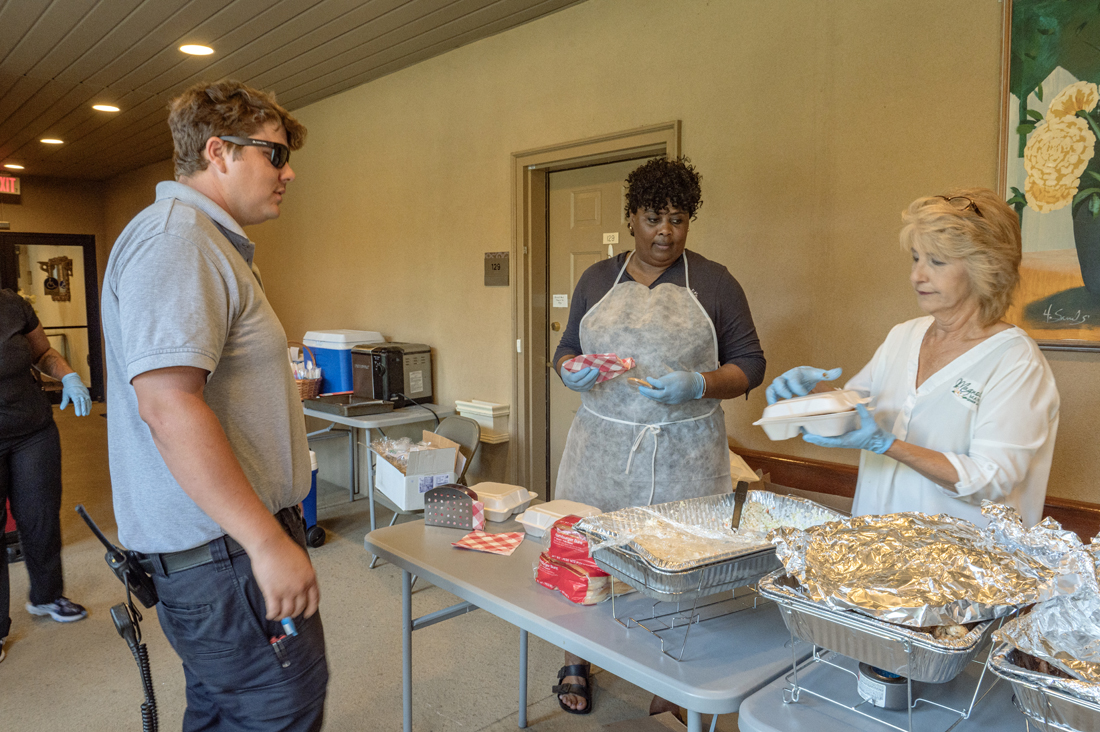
<point x="171" y="562"/>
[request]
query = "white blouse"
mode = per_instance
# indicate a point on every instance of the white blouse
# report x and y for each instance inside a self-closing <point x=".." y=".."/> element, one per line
<point x="993" y="412"/>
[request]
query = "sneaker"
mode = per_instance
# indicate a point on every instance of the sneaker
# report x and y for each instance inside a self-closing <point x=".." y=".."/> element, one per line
<point x="63" y="610"/>
<point x="2" y="654"/>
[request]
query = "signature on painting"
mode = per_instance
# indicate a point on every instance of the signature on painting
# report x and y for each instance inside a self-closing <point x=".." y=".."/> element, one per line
<point x="1055" y="316"/>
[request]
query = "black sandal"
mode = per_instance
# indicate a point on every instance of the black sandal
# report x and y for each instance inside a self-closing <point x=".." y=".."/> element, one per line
<point x="580" y="669"/>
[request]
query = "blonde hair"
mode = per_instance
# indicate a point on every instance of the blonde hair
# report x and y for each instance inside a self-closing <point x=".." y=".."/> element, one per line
<point x="985" y="240"/>
<point x="212" y="109"/>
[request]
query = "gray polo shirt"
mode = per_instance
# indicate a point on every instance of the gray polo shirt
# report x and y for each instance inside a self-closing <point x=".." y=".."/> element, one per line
<point x="180" y="290"/>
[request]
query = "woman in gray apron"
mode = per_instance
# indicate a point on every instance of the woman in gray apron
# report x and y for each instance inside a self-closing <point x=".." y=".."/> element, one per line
<point x="632" y="445"/>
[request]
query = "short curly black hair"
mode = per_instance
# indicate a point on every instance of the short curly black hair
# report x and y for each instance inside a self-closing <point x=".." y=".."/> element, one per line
<point x="661" y="182"/>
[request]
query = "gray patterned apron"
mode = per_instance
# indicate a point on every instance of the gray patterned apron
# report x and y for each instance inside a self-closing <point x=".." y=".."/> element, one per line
<point x="624" y="449"/>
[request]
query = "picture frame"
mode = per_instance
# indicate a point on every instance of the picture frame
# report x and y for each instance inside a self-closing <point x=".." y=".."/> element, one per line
<point x="1050" y="169"/>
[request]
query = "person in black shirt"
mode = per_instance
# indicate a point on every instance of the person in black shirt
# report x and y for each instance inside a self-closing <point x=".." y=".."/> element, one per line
<point x="686" y="323"/>
<point x="30" y="458"/>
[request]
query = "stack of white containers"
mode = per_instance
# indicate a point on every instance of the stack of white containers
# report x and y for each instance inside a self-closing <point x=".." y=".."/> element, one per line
<point x="492" y="417"/>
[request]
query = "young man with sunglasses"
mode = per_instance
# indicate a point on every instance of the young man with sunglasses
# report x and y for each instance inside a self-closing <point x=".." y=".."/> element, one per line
<point x="206" y="436"/>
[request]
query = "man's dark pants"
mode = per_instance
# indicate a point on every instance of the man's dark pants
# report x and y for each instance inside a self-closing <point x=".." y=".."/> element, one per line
<point x="237" y="678"/>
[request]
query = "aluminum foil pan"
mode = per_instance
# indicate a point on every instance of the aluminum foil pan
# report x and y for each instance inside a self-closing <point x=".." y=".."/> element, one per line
<point x="689" y="585"/>
<point x="1064" y="632"/>
<point x="875" y="642"/>
<point x="686" y="535"/>
<point x="1058" y="704"/>
<point x="919" y="570"/>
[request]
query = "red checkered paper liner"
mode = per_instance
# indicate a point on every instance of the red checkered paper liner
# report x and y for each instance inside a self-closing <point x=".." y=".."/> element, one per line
<point x="609" y="364"/>
<point x="479" y="541"/>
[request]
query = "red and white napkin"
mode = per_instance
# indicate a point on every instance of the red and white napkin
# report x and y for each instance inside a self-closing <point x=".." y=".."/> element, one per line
<point x="479" y="541"/>
<point x="609" y="364"/>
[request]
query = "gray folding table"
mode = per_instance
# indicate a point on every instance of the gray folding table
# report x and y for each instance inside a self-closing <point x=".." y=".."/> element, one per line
<point x="725" y="659"/>
<point x="368" y="422"/>
<point x="765" y="711"/>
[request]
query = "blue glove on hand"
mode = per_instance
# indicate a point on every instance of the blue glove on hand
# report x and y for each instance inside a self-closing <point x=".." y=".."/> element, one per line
<point x="675" y="388"/>
<point x="797" y="382"/>
<point x="869" y="436"/>
<point x="73" y="390"/>
<point x="582" y="380"/>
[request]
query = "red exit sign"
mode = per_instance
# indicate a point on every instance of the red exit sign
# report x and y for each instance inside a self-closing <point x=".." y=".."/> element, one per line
<point x="9" y="185"/>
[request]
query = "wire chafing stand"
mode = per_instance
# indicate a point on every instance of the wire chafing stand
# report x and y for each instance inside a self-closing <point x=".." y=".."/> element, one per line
<point x="896" y="649"/>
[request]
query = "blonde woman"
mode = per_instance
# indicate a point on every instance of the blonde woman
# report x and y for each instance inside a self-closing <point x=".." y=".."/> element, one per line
<point x="965" y="404"/>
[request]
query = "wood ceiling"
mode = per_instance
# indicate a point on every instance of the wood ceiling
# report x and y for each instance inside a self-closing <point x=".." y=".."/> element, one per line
<point x="59" y="57"/>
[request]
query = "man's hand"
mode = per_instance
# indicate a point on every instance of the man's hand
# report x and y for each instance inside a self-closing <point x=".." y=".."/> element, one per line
<point x="286" y="579"/>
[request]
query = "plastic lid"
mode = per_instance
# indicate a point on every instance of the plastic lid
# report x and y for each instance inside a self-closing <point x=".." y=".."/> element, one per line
<point x="545" y="514"/>
<point x="343" y="337"/>
<point x="830" y="402"/>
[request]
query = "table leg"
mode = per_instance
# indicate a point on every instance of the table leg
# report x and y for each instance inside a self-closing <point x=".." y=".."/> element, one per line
<point x="695" y="721"/>
<point x="406" y="649"/>
<point x="522" y="722"/>
<point x="353" y="448"/>
<point x="370" y="482"/>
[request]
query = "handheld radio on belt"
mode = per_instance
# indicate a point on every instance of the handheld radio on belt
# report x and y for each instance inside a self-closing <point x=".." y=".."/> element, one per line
<point x="126" y="616"/>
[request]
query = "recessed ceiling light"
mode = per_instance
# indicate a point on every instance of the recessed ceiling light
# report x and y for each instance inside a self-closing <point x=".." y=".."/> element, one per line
<point x="13" y="166"/>
<point x="105" y="107"/>
<point x="196" y="50"/>
<point x="51" y="141"/>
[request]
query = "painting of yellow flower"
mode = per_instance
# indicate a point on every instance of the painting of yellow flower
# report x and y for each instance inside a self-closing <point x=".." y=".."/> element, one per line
<point x="1051" y="170"/>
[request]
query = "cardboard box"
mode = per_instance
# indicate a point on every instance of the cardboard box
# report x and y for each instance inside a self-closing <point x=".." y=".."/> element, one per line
<point x="427" y="469"/>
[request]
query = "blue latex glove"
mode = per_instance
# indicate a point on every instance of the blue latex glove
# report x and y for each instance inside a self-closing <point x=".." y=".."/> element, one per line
<point x="73" y="390"/>
<point x="675" y="388"/>
<point x="797" y="382"/>
<point x="582" y="380"/>
<point x="869" y="436"/>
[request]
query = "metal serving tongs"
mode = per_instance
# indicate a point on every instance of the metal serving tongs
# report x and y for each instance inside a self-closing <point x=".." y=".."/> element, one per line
<point x="741" y="492"/>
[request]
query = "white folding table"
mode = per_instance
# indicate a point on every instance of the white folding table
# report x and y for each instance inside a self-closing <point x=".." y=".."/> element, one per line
<point x="725" y="660"/>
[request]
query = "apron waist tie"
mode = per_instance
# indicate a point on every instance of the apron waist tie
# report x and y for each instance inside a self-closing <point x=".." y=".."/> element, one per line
<point x="648" y="429"/>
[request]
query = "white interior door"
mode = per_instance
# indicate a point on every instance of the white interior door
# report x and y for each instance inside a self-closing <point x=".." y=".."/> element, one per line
<point x="585" y="205"/>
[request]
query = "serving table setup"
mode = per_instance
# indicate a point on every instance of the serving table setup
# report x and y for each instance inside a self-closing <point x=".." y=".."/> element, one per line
<point x="806" y="616"/>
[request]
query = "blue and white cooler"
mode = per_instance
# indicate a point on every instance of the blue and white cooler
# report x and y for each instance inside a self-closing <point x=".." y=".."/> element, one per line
<point x="332" y="349"/>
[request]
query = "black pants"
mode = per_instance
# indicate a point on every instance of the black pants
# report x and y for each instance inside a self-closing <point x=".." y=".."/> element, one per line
<point x="237" y="678"/>
<point x="30" y="475"/>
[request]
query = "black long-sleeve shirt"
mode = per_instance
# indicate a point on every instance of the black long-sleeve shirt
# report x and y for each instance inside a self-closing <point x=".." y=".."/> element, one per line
<point x="717" y="291"/>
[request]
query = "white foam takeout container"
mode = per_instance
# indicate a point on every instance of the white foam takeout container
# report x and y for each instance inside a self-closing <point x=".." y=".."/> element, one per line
<point x="827" y="414"/>
<point x="502" y="500"/>
<point x="538" y="519"/>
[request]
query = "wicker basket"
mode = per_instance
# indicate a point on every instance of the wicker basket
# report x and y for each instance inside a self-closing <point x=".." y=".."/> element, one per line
<point x="307" y="388"/>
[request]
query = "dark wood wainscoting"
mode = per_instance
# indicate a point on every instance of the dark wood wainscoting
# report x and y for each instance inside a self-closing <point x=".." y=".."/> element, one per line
<point x="839" y="479"/>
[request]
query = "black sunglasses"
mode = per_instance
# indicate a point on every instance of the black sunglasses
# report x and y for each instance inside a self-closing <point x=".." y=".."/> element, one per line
<point x="279" y="154"/>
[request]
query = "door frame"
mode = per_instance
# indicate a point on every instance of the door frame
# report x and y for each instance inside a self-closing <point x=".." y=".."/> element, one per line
<point x="528" y="464"/>
<point x="91" y="295"/>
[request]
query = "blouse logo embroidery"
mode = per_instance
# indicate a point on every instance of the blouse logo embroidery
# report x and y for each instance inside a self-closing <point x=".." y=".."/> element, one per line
<point x="966" y="393"/>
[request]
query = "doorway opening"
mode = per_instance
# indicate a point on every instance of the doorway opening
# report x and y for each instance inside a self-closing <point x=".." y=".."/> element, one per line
<point x="532" y="307"/>
<point x="57" y="274"/>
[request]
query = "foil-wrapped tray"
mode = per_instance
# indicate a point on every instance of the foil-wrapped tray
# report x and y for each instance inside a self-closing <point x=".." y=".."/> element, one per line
<point x="1047" y="700"/>
<point x="918" y="570"/>
<point x="739" y="558"/>
<point x="894" y="648"/>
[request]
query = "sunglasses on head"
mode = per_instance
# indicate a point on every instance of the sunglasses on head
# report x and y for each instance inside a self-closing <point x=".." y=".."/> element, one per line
<point x="278" y="153"/>
<point x="962" y="203"/>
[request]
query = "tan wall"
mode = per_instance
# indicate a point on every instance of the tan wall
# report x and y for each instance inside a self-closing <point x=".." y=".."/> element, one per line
<point x="814" y="124"/>
<point x="56" y="206"/>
